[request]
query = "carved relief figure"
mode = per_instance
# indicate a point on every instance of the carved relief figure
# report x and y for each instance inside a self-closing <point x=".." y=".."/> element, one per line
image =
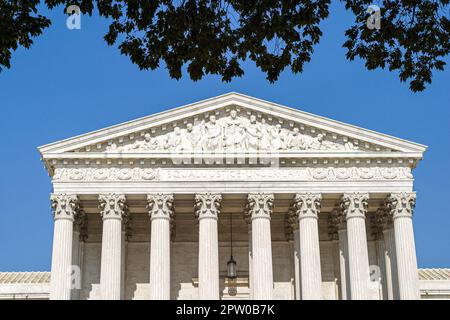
<point x="253" y="134"/>
<point x="190" y="138"/>
<point x="233" y="131"/>
<point x="278" y="138"/>
<point x="296" y="140"/>
<point x="213" y="135"/>
<point x="148" y="143"/>
<point x="265" y="136"/>
<point x="174" y="140"/>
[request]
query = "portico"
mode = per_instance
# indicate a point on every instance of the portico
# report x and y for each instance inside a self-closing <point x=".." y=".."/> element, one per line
<point x="319" y="209"/>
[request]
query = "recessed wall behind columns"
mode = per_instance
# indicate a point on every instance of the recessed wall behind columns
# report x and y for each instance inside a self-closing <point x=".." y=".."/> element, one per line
<point x="184" y="248"/>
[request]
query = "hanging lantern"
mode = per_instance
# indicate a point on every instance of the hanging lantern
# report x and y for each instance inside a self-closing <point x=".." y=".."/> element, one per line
<point x="231" y="268"/>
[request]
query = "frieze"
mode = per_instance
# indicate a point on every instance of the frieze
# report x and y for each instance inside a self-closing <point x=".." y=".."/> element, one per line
<point x="93" y="174"/>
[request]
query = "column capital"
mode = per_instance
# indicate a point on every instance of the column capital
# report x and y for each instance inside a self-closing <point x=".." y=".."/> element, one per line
<point x="160" y="205"/>
<point x="336" y="222"/>
<point x="401" y="205"/>
<point x="307" y="205"/>
<point x="207" y="205"/>
<point x="259" y="205"/>
<point x="81" y="224"/>
<point x="290" y="225"/>
<point x="354" y="205"/>
<point x="112" y="206"/>
<point x="380" y="221"/>
<point x="65" y="206"/>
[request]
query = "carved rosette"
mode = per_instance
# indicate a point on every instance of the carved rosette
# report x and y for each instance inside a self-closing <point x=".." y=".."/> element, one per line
<point x="354" y="205"/>
<point x="336" y="222"/>
<point x="259" y="205"/>
<point x="112" y="206"/>
<point x="207" y="205"/>
<point x="307" y="205"/>
<point x="160" y="206"/>
<point x="401" y="205"/>
<point x="65" y="206"/>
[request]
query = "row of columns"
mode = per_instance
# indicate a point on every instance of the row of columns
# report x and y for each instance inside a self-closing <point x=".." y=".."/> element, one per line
<point x="304" y="213"/>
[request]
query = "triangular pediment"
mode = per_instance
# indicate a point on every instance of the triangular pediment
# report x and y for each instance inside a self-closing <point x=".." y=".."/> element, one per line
<point x="233" y="122"/>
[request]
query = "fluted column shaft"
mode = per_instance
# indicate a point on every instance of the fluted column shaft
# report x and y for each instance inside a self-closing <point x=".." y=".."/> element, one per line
<point x="355" y="209"/>
<point x="123" y="269"/>
<point x="381" y="250"/>
<point x="161" y="212"/>
<point x="79" y="238"/>
<point x="401" y="206"/>
<point x="307" y="207"/>
<point x="112" y="208"/>
<point x="259" y="210"/>
<point x="297" y="280"/>
<point x="76" y="263"/>
<point x="64" y="209"/>
<point x="207" y="210"/>
<point x="343" y="264"/>
<point x="160" y="260"/>
<point x="250" y="261"/>
<point x="391" y="264"/>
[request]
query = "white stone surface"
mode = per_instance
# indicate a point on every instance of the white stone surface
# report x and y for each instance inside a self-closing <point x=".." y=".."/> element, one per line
<point x="278" y="153"/>
<point x="112" y="209"/>
<point x="161" y="213"/>
<point x="307" y="208"/>
<point x="65" y="208"/>
<point x="259" y="208"/>
<point x="207" y="207"/>
<point x="355" y="209"/>
<point x="402" y="206"/>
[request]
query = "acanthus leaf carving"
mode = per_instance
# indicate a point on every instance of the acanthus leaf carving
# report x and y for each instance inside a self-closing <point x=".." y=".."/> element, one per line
<point x="336" y="222"/>
<point x="354" y="204"/>
<point x="380" y="221"/>
<point x="160" y="205"/>
<point x="65" y="206"/>
<point x="81" y="224"/>
<point x="307" y="205"/>
<point x="207" y="205"/>
<point x="259" y="205"/>
<point x="112" y="206"/>
<point x="401" y="204"/>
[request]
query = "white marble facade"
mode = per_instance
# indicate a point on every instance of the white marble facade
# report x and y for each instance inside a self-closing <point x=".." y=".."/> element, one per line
<point x="319" y="209"/>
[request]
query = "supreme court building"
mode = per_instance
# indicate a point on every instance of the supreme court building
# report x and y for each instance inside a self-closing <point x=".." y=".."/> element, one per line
<point x="235" y="198"/>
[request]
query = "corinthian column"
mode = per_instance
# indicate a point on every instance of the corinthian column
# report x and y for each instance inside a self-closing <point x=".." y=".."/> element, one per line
<point x="354" y="206"/>
<point x="65" y="207"/>
<point x="160" y="208"/>
<point x="378" y="225"/>
<point x="391" y="263"/>
<point x="259" y="209"/>
<point x="79" y="238"/>
<point x="307" y="208"/>
<point x="293" y="223"/>
<point x="401" y="206"/>
<point x="207" y="210"/>
<point x="112" y="209"/>
<point x="337" y="230"/>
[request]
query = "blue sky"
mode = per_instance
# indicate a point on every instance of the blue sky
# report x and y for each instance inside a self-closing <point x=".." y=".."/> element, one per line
<point x="71" y="82"/>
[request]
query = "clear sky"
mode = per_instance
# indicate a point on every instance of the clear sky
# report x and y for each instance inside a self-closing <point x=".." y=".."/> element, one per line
<point x="71" y="82"/>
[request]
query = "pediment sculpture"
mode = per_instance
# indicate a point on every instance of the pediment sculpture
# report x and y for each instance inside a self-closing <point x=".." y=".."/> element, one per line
<point x="232" y="133"/>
